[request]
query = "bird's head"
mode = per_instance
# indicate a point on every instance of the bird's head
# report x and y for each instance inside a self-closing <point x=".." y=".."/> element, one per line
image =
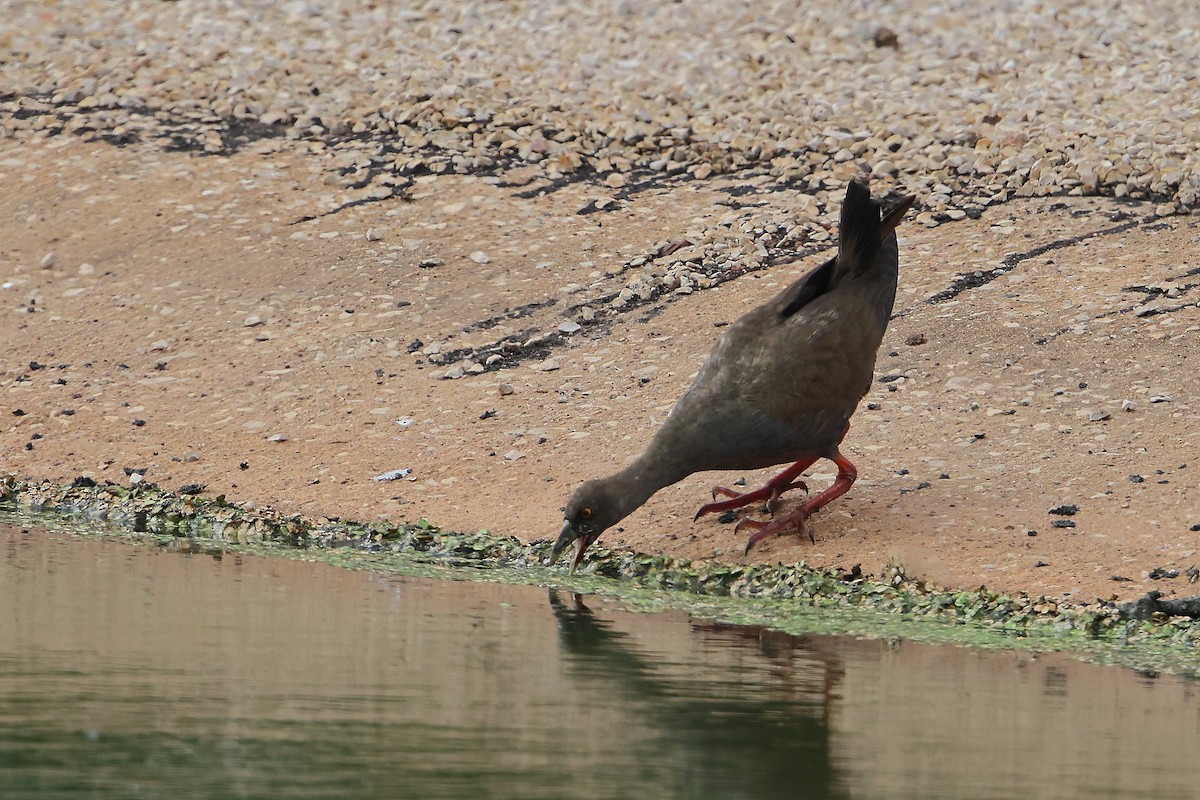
<point x="590" y="511"/>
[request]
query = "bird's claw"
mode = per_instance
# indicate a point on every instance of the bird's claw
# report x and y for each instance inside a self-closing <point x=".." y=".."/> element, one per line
<point x="797" y="520"/>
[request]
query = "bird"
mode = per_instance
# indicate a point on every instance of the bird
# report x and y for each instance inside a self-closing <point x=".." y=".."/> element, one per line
<point x="779" y="386"/>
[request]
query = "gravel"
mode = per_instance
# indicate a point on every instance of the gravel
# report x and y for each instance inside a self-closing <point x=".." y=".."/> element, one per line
<point x="961" y="107"/>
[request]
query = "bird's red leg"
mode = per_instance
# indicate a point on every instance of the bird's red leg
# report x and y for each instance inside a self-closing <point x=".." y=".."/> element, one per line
<point x="846" y="476"/>
<point x="781" y="483"/>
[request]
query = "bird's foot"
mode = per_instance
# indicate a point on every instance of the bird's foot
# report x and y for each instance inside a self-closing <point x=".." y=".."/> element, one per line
<point x="796" y="520"/>
<point x="770" y="492"/>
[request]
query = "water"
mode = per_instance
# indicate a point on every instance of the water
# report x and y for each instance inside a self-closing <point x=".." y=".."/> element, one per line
<point x="133" y="672"/>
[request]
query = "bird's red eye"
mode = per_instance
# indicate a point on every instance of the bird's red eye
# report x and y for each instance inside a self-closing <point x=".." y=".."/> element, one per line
<point x="585" y="513"/>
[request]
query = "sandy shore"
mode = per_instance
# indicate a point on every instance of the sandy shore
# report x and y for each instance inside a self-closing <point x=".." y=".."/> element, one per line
<point x="280" y="251"/>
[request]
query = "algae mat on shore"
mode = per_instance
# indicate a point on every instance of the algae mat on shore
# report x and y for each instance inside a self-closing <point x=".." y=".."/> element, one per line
<point x="1148" y="634"/>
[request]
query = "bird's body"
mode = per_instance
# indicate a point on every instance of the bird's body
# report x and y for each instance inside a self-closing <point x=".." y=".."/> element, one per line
<point x="780" y="384"/>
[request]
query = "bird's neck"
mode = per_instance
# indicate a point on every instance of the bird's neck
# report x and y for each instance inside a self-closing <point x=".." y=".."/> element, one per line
<point x="644" y="476"/>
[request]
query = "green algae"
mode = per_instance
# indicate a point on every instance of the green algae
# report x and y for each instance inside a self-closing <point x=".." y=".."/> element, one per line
<point x="796" y="598"/>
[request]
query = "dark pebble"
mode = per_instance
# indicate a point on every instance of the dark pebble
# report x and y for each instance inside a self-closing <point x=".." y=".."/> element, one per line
<point x="245" y="465"/>
<point x="139" y="470"/>
<point x="1158" y="573"/>
<point x="67" y="412"/>
<point x="1120" y="579"/>
<point x="945" y="476"/>
<point x="885" y="37"/>
<point x="1136" y="479"/>
<point x="727" y="517"/>
<point x="1040" y="563"/>
<point x="1031" y="533"/>
<point x="415" y="345"/>
<point x="29" y="445"/>
<point x="1063" y="523"/>
<point x="192" y="488"/>
<point x="915" y="339"/>
<point x="137" y="423"/>
<point x="18" y="412"/>
<point x="83" y="483"/>
<point x="978" y="436"/>
<point x="923" y="485"/>
<point x="36" y="366"/>
<point x="491" y="412"/>
<point x="1065" y="510"/>
<point x="39" y="436"/>
<point x="1195" y="527"/>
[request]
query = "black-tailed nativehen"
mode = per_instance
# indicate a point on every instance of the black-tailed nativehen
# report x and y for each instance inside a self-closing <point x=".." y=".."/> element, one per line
<point x="779" y="386"/>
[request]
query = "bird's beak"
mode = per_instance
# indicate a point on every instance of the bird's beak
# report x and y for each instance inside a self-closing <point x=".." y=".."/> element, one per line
<point x="566" y="535"/>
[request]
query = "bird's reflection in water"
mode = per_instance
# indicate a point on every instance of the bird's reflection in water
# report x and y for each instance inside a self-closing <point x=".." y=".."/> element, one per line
<point x="730" y="736"/>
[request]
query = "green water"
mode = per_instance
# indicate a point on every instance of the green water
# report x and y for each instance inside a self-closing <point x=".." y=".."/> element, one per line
<point x="129" y="672"/>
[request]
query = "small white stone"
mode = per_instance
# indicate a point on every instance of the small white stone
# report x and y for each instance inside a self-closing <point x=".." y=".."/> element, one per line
<point x="548" y="365"/>
<point x="454" y="373"/>
<point x="480" y="257"/>
<point x="48" y="260"/>
<point x="513" y="455"/>
<point x="569" y="326"/>
<point x="252" y="321"/>
<point x="373" y="235"/>
<point x="277" y="437"/>
<point x="505" y="389"/>
<point x="161" y="344"/>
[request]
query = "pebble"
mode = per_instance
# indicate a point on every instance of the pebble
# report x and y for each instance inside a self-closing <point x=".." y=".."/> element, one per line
<point x="505" y="389"/>
<point x="48" y="260"/>
<point x="253" y="321"/>
<point x="373" y="235"/>
<point x="569" y="327"/>
<point x="393" y="475"/>
<point x="548" y="365"/>
<point x="454" y="372"/>
<point x="480" y="257"/>
<point x="277" y="437"/>
<point x="513" y="455"/>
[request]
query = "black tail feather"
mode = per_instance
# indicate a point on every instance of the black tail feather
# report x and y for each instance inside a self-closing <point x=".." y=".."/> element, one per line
<point x="859" y="233"/>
